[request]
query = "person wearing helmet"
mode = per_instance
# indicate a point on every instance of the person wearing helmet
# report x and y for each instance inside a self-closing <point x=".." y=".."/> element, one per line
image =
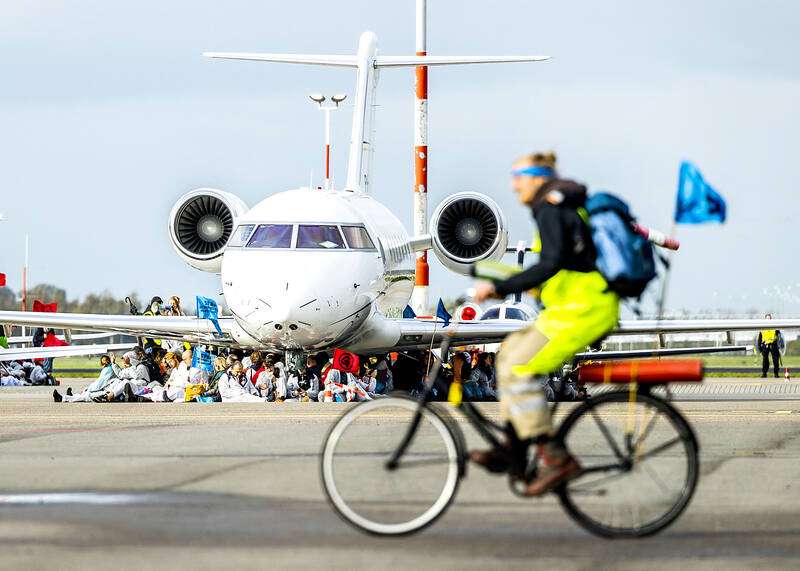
<point x="579" y="309"/>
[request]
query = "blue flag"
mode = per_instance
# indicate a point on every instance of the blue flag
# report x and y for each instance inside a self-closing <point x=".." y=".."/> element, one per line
<point x="441" y="312"/>
<point x="697" y="201"/>
<point x="207" y="309"/>
<point x="202" y="360"/>
<point x="408" y="313"/>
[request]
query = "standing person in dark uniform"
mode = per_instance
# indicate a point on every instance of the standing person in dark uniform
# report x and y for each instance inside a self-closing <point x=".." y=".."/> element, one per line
<point x="769" y="344"/>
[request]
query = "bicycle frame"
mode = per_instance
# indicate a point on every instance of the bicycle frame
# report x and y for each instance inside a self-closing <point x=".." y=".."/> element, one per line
<point x="485" y="427"/>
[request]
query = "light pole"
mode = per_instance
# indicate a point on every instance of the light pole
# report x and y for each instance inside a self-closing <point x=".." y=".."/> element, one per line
<point x="319" y="99"/>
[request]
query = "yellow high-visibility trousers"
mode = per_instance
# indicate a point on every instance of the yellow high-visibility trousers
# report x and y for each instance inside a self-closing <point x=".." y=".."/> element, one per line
<point x="579" y="310"/>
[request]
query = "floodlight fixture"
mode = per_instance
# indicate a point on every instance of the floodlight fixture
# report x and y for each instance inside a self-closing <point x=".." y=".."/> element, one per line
<point x="317" y="98"/>
<point x="338" y="98"/>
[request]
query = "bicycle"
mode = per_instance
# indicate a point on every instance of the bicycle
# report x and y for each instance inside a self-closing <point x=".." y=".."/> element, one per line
<point x="634" y="482"/>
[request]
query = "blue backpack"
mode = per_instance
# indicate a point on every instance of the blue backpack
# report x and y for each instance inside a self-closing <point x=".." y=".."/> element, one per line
<point x="625" y="258"/>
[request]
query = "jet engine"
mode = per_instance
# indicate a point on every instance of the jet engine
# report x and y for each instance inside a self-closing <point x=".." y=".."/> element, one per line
<point x="468" y="227"/>
<point x="200" y="224"/>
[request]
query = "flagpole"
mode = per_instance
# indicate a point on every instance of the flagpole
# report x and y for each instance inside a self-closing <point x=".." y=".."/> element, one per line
<point x="25" y="280"/>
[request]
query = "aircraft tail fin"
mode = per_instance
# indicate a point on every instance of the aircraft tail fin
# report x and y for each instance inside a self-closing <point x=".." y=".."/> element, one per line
<point x="367" y="64"/>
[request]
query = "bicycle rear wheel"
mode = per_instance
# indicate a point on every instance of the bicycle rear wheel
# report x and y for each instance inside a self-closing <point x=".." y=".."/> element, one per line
<point x="369" y="495"/>
<point x="640" y="464"/>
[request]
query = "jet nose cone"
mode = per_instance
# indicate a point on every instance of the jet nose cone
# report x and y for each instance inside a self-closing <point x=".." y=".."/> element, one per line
<point x="281" y="312"/>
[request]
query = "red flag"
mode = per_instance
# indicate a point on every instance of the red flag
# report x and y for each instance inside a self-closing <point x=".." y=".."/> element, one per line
<point x="345" y="361"/>
<point x="45" y="307"/>
<point x="2" y="280"/>
<point x="51" y="340"/>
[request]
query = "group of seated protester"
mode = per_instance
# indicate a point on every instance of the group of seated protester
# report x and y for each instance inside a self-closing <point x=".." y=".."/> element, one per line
<point x="474" y="370"/>
<point x="25" y="373"/>
<point x="157" y="375"/>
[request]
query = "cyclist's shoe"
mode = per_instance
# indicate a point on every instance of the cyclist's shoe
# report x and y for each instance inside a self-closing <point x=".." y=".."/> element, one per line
<point x="556" y="467"/>
<point x="495" y="460"/>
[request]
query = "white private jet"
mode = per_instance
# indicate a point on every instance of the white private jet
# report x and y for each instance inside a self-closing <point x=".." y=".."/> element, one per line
<point x="309" y="269"/>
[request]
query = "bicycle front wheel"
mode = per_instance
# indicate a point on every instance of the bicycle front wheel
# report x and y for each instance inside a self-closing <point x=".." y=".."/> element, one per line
<point x="640" y="464"/>
<point x="374" y="497"/>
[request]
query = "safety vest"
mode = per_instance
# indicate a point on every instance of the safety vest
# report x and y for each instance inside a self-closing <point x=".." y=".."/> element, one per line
<point x="768" y="336"/>
<point x="148" y="339"/>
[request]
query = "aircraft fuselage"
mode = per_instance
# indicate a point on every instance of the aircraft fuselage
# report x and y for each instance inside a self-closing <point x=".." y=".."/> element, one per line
<point x="306" y="268"/>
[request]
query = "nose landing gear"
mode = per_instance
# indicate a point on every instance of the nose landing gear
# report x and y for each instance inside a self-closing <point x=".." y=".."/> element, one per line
<point x="294" y="358"/>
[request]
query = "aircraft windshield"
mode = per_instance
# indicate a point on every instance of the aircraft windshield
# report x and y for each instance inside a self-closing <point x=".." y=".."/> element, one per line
<point x="493" y="313"/>
<point x="241" y="235"/>
<point x="514" y="313"/>
<point x="357" y="238"/>
<point x="272" y="236"/>
<point x="325" y="237"/>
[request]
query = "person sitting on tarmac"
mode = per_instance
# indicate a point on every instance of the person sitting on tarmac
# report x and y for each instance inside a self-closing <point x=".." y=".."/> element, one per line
<point x="384" y="383"/>
<point x="132" y="376"/>
<point x="212" y="389"/>
<point x="483" y="376"/>
<point x="346" y="383"/>
<point x="179" y="375"/>
<point x="96" y="391"/>
<point x="230" y="385"/>
<point x="12" y="375"/>
<point x="334" y="383"/>
<point x="368" y="380"/>
<point x="256" y="373"/>
<point x="38" y="376"/>
<point x="280" y="381"/>
<point x="579" y="309"/>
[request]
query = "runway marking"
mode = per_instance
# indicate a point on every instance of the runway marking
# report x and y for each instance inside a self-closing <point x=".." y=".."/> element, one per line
<point x="88" y="498"/>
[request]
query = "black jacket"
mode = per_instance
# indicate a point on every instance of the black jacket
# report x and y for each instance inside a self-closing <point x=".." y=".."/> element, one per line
<point x="566" y="239"/>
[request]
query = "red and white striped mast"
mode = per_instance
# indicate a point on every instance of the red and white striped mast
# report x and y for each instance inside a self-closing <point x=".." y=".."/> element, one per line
<point x="419" y="299"/>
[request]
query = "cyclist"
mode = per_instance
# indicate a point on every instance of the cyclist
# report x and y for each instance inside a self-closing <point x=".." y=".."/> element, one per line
<point x="579" y="309"/>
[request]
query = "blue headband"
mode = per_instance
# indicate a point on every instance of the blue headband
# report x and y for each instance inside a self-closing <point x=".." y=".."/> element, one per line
<point x="534" y="171"/>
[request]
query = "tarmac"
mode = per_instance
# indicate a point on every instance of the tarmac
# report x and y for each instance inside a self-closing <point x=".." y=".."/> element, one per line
<point x="141" y="486"/>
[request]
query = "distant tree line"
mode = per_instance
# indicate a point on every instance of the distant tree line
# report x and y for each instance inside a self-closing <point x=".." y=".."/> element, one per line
<point x="103" y="302"/>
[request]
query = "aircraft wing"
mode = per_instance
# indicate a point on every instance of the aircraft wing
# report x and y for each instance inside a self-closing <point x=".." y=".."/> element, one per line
<point x="667" y="326"/>
<point x="651" y="353"/>
<point x="27" y="353"/>
<point x="401" y="334"/>
<point x="183" y="328"/>
<point x="79" y="337"/>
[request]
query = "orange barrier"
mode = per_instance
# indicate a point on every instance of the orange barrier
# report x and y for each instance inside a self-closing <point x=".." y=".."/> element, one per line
<point x="643" y="371"/>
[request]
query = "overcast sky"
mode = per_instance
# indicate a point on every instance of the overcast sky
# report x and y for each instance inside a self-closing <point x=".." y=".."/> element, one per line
<point x="108" y="113"/>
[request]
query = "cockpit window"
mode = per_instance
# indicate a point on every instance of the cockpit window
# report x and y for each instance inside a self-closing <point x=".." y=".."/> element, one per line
<point x="271" y="236"/>
<point x="514" y="313"/>
<point x="325" y="237"/>
<point x="492" y="313"/>
<point x="241" y="235"/>
<point x="357" y="238"/>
